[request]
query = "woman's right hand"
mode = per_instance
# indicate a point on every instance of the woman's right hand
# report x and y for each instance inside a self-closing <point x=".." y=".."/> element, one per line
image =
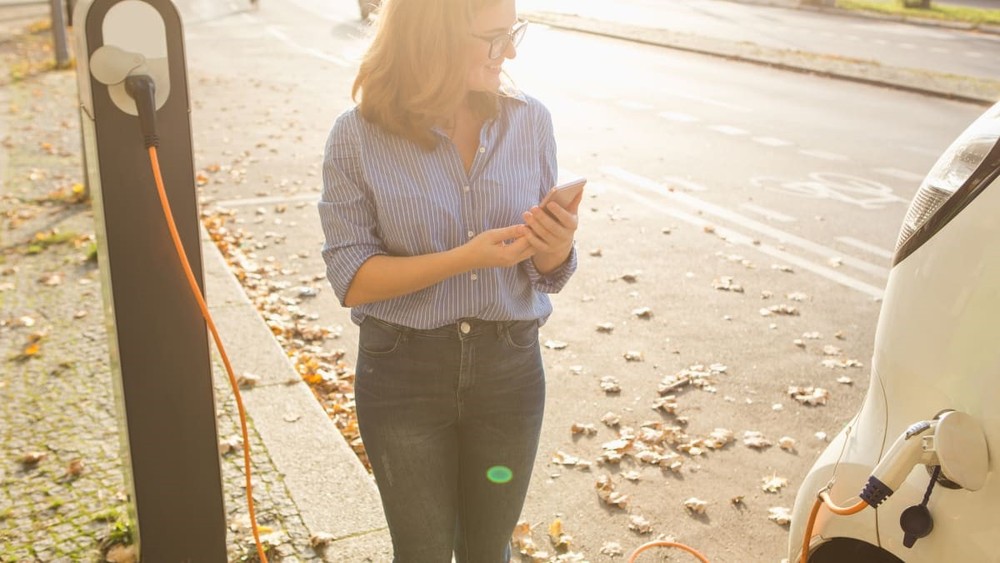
<point x="499" y="248"/>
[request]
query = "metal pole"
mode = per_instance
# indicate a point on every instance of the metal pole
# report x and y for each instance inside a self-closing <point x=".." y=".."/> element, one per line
<point x="59" y="34"/>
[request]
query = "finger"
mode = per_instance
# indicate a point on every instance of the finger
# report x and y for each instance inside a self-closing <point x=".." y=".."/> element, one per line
<point x="506" y="233"/>
<point x="540" y="224"/>
<point x="538" y="243"/>
<point x="564" y="217"/>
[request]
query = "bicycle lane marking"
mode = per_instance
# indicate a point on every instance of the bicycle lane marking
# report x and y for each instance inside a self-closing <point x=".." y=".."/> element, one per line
<point x="728" y="215"/>
<point x="740" y="239"/>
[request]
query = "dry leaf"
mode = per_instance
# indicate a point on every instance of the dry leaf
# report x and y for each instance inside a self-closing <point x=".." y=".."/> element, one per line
<point x="560" y="539"/>
<point x="695" y="505"/>
<point x="639" y="525"/>
<point x="585" y="429"/>
<point x="612" y="549"/>
<point x="787" y="444"/>
<point x="797" y="296"/>
<point x="781" y="309"/>
<point x="596" y="252"/>
<point x="611" y="419"/>
<point x="725" y="283"/>
<point x="320" y="539"/>
<point x="773" y="484"/>
<point x="831" y="350"/>
<point x="633" y="476"/>
<point x="230" y="445"/>
<point x="75" y="468"/>
<point x="643" y="313"/>
<point x="606" y="328"/>
<point x="555" y="344"/>
<point x="782" y="268"/>
<point x="756" y="440"/>
<point x="631" y="277"/>
<point x="606" y="492"/>
<point x="247" y="381"/>
<point x="842" y="364"/>
<point x="845" y="380"/>
<point x="633" y="356"/>
<point x="811" y="396"/>
<point x="610" y="385"/>
<point x="779" y="515"/>
<point x="50" y="280"/>
<point x="122" y="554"/>
<point x="30" y="459"/>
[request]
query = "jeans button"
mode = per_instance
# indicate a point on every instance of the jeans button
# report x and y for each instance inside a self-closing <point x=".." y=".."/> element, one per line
<point x="465" y="327"/>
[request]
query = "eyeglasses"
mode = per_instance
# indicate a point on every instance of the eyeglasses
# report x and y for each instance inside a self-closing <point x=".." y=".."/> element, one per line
<point x="499" y="43"/>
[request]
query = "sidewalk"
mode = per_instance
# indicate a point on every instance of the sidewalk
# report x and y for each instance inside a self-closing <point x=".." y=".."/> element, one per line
<point x="950" y="86"/>
<point x="63" y="490"/>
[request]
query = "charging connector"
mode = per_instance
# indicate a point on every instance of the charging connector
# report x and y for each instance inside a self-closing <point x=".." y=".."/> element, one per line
<point x="142" y="89"/>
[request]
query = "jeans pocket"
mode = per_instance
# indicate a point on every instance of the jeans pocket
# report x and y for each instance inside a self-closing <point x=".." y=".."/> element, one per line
<point x="522" y="335"/>
<point x="378" y="338"/>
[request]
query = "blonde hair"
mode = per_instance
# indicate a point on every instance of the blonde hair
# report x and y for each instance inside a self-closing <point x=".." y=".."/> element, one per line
<point x="415" y="70"/>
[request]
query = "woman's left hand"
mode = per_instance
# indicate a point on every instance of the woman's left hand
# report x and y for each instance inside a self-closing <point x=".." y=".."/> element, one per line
<point x="551" y="233"/>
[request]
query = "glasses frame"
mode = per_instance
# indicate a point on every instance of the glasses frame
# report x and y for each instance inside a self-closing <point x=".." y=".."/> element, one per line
<point x="499" y="43"/>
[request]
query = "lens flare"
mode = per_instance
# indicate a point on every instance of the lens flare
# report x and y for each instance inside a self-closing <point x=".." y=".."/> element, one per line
<point x="499" y="474"/>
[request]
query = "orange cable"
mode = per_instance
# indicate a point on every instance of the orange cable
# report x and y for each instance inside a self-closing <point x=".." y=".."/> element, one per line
<point x="824" y="498"/>
<point x="155" y="162"/>
<point x="663" y="543"/>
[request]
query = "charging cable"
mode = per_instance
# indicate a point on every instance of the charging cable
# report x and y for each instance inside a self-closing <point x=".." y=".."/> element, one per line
<point x="142" y="90"/>
<point x="662" y="543"/>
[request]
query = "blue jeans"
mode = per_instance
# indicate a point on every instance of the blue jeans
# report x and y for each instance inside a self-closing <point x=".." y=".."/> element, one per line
<point x="450" y="418"/>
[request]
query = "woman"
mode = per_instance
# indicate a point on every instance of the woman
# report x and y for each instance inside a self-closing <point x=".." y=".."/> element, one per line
<point x="435" y="240"/>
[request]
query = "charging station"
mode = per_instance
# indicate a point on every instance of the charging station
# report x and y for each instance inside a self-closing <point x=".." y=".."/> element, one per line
<point x="157" y="339"/>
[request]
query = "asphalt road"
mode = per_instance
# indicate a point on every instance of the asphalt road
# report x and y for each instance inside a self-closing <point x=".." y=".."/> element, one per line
<point x="702" y="170"/>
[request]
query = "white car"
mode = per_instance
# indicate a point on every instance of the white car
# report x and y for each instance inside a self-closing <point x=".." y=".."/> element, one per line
<point x="922" y="453"/>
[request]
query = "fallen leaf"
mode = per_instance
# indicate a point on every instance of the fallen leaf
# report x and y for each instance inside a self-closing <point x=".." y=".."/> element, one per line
<point x="811" y="396"/>
<point x="321" y="539"/>
<point x="787" y="444"/>
<point x="122" y="554"/>
<point x="606" y="328"/>
<point x="756" y="440"/>
<point x="606" y="492"/>
<point x="779" y="515"/>
<point x="230" y="445"/>
<point x="555" y="344"/>
<point x="845" y="380"/>
<point x="631" y="277"/>
<point x="611" y="419"/>
<point x="773" y="484"/>
<point x="782" y="268"/>
<point x="639" y="525"/>
<point x="610" y="385"/>
<point x="831" y="350"/>
<point x="75" y="468"/>
<point x="560" y="539"/>
<point x="633" y="356"/>
<point x="726" y="283"/>
<point x="596" y="253"/>
<point x="30" y="459"/>
<point x="695" y="505"/>
<point x="247" y="381"/>
<point x="585" y="429"/>
<point x="612" y="549"/>
<point x="643" y="313"/>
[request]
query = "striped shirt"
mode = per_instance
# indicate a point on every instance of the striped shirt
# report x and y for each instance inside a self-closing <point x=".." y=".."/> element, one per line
<point x="383" y="194"/>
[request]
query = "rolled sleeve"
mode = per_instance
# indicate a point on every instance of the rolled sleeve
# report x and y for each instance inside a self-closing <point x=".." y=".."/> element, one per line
<point x="554" y="281"/>
<point x="345" y="212"/>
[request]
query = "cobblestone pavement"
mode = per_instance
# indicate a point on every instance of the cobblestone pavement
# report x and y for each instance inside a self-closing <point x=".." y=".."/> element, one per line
<point x="62" y="490"/>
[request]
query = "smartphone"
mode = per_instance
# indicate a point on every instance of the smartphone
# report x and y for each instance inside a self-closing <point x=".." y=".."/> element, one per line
<point x="564" y="193"/>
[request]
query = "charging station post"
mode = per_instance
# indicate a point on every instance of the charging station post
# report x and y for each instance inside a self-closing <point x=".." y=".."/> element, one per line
<point x="158" y="339"/>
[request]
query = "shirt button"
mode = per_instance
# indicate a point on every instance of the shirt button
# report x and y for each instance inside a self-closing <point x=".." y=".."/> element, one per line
<point x="482" y="150"/>
<point x="474" y="277"/>
<point x="465" y="327"/>
<point x="471" y="234"/>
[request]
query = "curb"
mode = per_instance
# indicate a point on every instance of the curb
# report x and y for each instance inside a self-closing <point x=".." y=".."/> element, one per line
<point x="326" y="481"/>
<point x="972" y="90"/>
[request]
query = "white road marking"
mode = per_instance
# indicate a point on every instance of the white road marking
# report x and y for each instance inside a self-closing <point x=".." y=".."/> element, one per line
<point x="876" y="250"/>
<point x="708" y="101"/>
<point x="723" y="213"/>
<point x="629" y="104"/>
<point x="772" y="141"/>
<point x="768" y="213"/>
<point x="678" y="116"/>
<point x="266" y="200"/>
<point x="280" y="35"/>
<point x="740" y="239"/>
<point x="823" y="154"/>
<point x="901" y="174"/>
<point x="684" y="184"/>
<point x="728" y="130"/>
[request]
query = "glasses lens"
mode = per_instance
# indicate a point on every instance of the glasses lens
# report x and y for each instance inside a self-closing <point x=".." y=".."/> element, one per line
<point x="498" y="46"/>
<point x="517" y="34"/>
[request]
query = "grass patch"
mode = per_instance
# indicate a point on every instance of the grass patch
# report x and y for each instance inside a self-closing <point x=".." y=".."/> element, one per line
<point x="45" y="239"/>
<point x="937" y="11"/>
<point x="121" y="533"/>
